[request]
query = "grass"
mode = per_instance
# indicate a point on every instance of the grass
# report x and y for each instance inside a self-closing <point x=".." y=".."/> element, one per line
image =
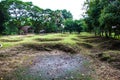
<point x="65" y="39"/>
<point x="96" y="47"/>
<point x="65" y="43"/>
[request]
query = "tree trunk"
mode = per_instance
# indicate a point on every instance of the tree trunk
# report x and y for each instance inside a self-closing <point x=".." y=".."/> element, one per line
<point x="106" y="34"/>
<point x="110" y="32"/>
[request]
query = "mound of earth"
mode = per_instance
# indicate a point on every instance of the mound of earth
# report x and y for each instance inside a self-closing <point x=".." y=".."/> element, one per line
<point x="47" y="39"/>
<point x="96" y="39"/>
<point x="111" y="45"/>
<point x="112" y="57"/>
<point x="85" y="45"/>
<point x="10" y="40"/>
<point x="49" y="47"/>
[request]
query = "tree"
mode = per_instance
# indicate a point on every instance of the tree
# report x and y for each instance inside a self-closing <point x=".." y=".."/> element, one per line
<point x="110" y="16"/>
<point x="2" y="20"/>
<point x="3" y="16"/>
<point x="52" y="20"/>
<point x="66" y="14"/>
<point x="78" y="26"/>
<point x="69" y="25"/>
<point x="88" y="22"/>
<point x="20" y="14"/>
<point x="93" y="13"/>
<point x="36" y="18"/>
<point x="102" y="15"/>
<point x="73" y="25"/>
<point x="17" y="14"/>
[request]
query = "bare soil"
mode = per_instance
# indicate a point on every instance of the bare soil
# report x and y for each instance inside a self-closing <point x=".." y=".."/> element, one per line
<point x="50" y="63"/>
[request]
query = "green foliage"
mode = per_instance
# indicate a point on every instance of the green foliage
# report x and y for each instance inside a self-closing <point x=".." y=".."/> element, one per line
<point x="1" y="21"/>
<point x="66" y="14"/>
<point x="78" y="25"/>
<point x="102" y="15"/>
<point x="69" y="25"/>
<point x="15" y="14"/>
<point x="72" y="26"/>
<point x="50" y="27"/>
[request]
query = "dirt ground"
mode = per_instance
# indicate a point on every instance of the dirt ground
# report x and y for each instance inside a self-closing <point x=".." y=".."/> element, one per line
<point x="102" y="53"/>
<point x="55" y="64"/>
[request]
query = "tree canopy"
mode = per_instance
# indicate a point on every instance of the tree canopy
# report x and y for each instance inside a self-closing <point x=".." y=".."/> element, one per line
<point x="15" y="14"/>
<point x="101" y="15"/>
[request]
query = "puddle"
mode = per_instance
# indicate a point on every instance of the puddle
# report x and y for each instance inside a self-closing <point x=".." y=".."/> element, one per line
<point x="59" y="66"/>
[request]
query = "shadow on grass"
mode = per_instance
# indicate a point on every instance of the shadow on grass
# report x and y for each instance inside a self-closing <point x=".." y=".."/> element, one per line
<point x="112" y="57"/>
<point x="47" y="39"/>
<point x="104" y="43"/>
<point x="11" y="40"/>
<point x="49" y="47"/>
<point x="85" y="45"/>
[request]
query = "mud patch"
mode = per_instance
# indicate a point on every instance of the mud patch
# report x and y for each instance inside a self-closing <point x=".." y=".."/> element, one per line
<point x="56" y="65"/>
<point x="59" y="66"/>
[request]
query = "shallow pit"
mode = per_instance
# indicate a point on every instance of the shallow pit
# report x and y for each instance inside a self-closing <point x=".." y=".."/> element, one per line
<point x="59" y="66"/>
<point x="49" y="47"/>
<point x="55" y="64"/>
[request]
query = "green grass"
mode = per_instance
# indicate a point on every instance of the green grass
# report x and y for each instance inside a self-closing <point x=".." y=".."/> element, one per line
<point x="66" y="39"/>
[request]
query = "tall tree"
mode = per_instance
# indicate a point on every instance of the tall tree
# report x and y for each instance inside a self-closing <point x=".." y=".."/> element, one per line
<point x="110" y="16"/>
<point x="66" y="14"/>
<point x="98" y="18"/>
<point x="2" y="20"/>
